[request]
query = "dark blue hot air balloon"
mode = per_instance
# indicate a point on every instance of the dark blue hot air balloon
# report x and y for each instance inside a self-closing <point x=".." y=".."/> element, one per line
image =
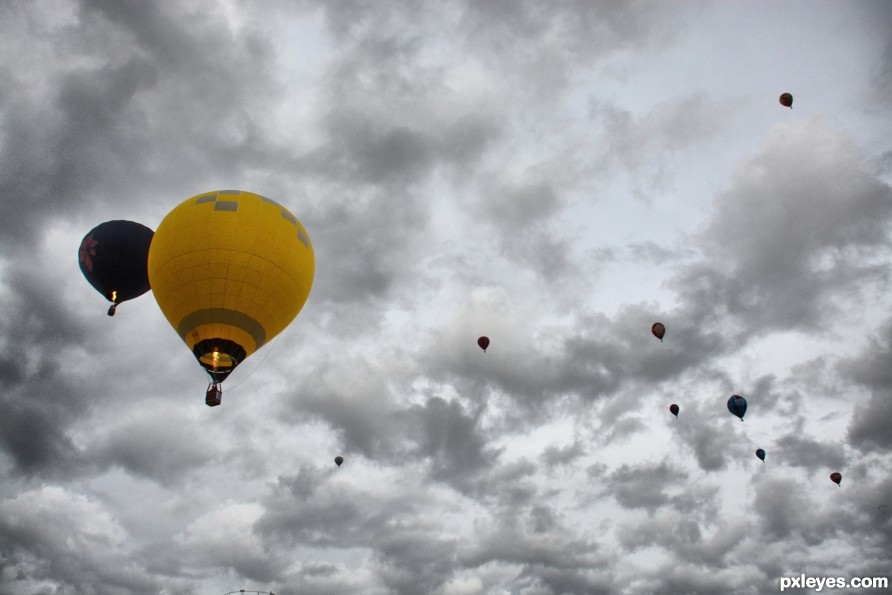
<point x="737" y="406"/>
<point x="761" y="454"/>
<point x="114" y="259"/>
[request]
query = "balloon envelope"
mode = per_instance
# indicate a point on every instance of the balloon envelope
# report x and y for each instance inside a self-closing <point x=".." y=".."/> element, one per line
<point x="761" y="454"/>
<point x="658" y="329"/>
<point x="836" y="478"/>
<point x="674" y="409"/>
<point x="339" y="460"/>
<point x="483" y="342"/>
<point x="230" y="270"/>
<point x="737" y="406"/>
<point x="786" y="100"/>
<point x="113" y="257"/>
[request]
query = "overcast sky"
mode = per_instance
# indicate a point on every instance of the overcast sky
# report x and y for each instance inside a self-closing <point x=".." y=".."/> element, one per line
<point x="557" y="176"/>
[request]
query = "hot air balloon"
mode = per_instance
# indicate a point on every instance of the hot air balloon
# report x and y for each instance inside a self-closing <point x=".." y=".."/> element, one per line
<point x="883" y="509"/>
<point x="836" y="478"/>
<point x="483" y="342"/>
<point x="673" y="408"/>
<point x="737" y="406"/>
<point x="658" y="329"/>
<point x="113" y="259"/>
<point x="230" y="270"/>
<point x="761" y="454"/>
<point x="338" y="460"/>
<point x="786" y="100"/>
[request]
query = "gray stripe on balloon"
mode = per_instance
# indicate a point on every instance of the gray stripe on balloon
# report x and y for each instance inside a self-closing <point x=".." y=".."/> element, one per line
<point x="223" y="316"/>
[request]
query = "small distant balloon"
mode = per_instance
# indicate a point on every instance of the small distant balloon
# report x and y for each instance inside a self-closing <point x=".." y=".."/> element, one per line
<point x="836" y="478"/>
<point x="658" y="330"/>
<point x="883" y="509"/>
<point x="737" y="406"/>
<point x="761" y="454"/>
<point x="338" y="460"/>
<point x="786" y="100"/>
<point x="483" y="342"/>
<point x="673" y="408"/>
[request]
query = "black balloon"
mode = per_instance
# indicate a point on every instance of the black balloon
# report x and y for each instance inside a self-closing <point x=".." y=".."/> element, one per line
<point x="113" y="257"/>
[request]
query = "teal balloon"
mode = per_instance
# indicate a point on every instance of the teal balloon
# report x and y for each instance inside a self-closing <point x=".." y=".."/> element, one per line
<point x="737" y="406"/>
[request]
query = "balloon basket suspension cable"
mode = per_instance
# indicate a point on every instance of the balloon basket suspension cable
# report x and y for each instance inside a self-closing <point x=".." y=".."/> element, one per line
<point x="265" y="355"/>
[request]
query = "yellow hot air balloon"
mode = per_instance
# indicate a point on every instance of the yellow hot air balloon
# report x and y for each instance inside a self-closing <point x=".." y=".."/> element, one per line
<point x="230" y="270"/>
